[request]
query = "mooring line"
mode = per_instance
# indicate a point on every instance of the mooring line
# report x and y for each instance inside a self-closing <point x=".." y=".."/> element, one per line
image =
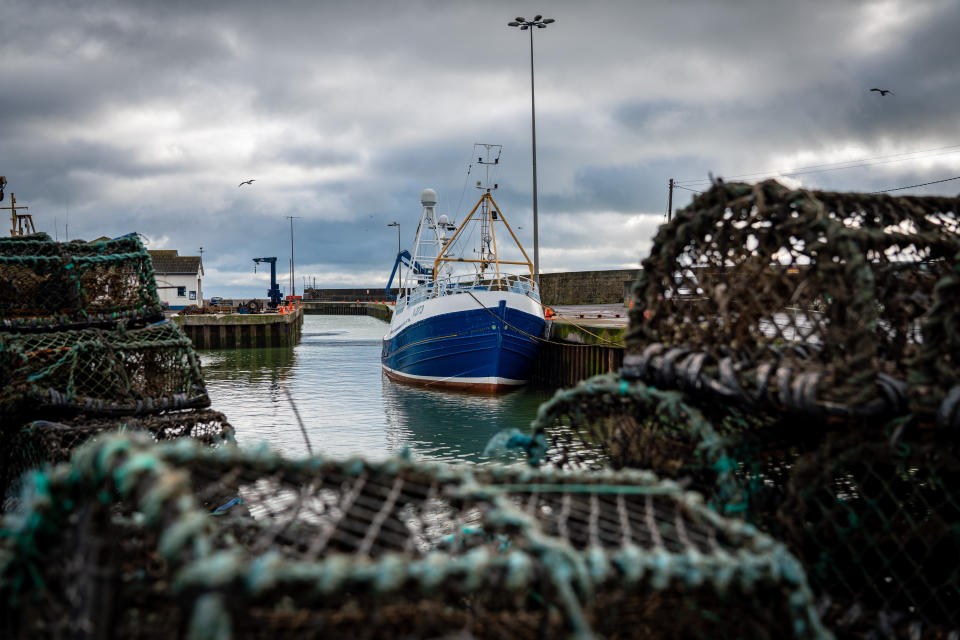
<point x="539" y="339"/>
<point x="299" y="421"/>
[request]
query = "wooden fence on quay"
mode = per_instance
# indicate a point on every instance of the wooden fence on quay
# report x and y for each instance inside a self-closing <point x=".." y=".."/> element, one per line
<point x="564" y="365"/>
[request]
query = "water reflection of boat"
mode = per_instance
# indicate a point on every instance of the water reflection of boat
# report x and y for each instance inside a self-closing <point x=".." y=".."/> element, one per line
<point x="476" y="330"/>
<point x="450" y="425"/>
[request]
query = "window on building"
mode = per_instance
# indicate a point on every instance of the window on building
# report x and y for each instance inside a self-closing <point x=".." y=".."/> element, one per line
<point x="182" y="292"/>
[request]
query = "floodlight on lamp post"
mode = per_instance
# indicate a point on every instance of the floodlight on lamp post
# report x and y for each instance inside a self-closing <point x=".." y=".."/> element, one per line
<point x="525" y="25"/>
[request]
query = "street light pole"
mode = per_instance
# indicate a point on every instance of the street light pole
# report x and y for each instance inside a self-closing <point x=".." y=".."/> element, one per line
<point x="293" y="289"/>
<point x="525" y="25"/>
<point x="400" y="266"/>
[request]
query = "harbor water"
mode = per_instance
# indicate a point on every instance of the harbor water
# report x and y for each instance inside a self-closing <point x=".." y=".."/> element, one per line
<point x="348" y="406"/>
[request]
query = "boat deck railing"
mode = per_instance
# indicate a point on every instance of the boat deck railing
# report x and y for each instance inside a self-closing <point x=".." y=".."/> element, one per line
<point x="460" y="284"/>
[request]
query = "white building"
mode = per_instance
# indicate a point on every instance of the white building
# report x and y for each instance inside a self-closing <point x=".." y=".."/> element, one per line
<point x="179" y="278"/>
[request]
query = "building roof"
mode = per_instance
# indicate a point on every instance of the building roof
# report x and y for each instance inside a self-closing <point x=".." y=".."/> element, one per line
<point x="166" y="261"/>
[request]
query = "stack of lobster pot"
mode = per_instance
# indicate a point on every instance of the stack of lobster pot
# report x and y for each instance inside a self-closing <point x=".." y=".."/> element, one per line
<point x="794" y="356"/>
<point x="84" y="347"/>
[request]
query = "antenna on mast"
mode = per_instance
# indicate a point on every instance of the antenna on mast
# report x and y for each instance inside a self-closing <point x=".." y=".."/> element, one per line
<point x="488" y="155"/>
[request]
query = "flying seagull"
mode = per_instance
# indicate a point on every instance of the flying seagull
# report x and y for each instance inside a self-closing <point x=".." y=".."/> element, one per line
<point x="883" y="92"/>
<point x="250" y="181"/>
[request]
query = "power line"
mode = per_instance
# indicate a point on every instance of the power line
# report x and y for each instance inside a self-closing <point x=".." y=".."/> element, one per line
<point x="847" y="164"/>
<point x="680" y="186"/>
<point x="916" y="185"/>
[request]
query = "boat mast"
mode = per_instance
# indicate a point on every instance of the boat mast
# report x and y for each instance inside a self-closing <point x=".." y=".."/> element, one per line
<point x="429" y="240"/>
<point x="488" y="212"/>
<point x="488" y="239"/>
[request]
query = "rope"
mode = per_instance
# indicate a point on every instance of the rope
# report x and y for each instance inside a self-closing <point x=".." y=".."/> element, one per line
<point x="296" y="414"/>
<point x="873" y="272"/>
<point x="538" y="338"/>
<point x="210" y="561"/>
<point x="585" y="330"/>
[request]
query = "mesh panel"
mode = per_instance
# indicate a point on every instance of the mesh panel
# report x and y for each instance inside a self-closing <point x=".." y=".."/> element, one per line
<point x="42" y="442"/>
<point x="379" y="550"/>
<point x="800" y="301"/>
<point x="100" y="371"/>
<point x="45" y="284"/>
<point x="879" y="525"/>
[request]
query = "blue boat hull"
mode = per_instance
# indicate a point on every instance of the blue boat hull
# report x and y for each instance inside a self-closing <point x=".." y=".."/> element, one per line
<point x="480" y="349"/>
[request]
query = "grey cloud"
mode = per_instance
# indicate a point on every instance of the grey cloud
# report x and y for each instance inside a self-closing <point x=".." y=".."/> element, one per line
<point x="344" y="112"/>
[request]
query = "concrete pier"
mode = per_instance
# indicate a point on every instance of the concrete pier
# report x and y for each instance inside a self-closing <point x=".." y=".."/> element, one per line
<point x="584" y="341"/>
<point x="242" y="330"/>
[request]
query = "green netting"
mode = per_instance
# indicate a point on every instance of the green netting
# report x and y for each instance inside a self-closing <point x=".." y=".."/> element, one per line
<point x="46" y="284"/>
<point x="174" y="540"/>
<point x="878" y="523"/>
<point x="43" y="442"/>
<point x="737" y="460"/>
<point x="801" y="301"/>
<point x="934" y="378"/>
<point x="873" y="512"/>
<point x="99" y="371"/>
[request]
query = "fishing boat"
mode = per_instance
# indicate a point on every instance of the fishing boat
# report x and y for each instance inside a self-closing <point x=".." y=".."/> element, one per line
<point x="463" y="318"/>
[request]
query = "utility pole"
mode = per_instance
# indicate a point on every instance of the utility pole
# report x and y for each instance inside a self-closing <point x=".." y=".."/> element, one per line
<point x="293" y="288"/>
<point x="670" y="202"/>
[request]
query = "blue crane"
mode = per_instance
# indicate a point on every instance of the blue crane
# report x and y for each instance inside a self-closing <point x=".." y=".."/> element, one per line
<point x="274" y="291"/>
<point x="403" y="257"/>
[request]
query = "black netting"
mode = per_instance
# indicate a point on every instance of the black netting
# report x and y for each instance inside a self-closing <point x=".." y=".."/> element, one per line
<point x="43" y="442"/>
<point x="250" y="543"/>
<point x="100" y="371"/>
<point x="799" y="301"/>
<point x="46" y="284"/>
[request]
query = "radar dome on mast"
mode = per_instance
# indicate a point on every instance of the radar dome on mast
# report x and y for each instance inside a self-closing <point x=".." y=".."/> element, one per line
<point x="428" y="198"/>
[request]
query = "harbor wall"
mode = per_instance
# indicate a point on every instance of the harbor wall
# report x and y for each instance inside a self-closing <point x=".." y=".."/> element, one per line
<point x="569" y="287"/>
<point x="564" y="365"/>
<point x="586" y="287"/>
<point x="242" y="330"/>
<point x="374" y="309"/>
<point x="369" y="294"/>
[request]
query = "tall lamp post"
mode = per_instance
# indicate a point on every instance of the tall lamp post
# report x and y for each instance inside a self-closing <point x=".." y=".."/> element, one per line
<point x="293" y="289"/>
<point x="527" y="25"/>
<point x="400" y="267"/>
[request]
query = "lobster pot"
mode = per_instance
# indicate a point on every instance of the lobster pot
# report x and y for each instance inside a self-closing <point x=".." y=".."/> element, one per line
<point x="100" y="372"/>
<point x="803" y="302"/>
<point x="42" y="442"/>
<point x="128" y="540"/>
<point x="51" y="285"/>
<point x="737" y="460"/>
<point x="877" y="525"/>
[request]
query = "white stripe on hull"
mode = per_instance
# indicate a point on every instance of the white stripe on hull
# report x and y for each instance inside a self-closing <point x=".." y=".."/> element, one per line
<point x="490" y="382"/>
<point x="461" y="302"/>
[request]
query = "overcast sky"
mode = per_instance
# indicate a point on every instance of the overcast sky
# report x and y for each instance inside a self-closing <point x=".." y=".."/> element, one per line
<point x="145" y="116"/>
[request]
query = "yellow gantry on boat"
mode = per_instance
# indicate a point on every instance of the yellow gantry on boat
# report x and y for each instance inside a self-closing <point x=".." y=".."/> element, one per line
<point x="494" y="257"/>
